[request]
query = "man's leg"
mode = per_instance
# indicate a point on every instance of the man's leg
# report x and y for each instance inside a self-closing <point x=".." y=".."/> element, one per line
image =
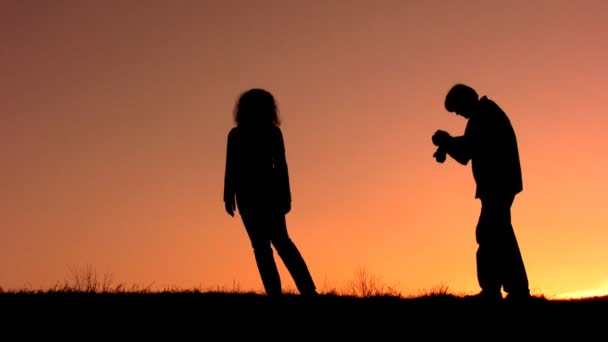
<point x="514" y="277"/>
<point x="488" y="251"/>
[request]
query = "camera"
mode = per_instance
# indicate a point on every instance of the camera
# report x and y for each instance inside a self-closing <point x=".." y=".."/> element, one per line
<point x="440" y="139"/>
<point x="440" y="155"/>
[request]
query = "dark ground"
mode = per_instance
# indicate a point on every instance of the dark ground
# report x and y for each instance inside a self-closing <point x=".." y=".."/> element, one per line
<point x="225" y="316"/>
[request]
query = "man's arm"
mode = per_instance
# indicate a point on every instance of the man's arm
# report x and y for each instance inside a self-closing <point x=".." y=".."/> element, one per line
<point x="456" y="147"/>
<point x="459" y="149"/>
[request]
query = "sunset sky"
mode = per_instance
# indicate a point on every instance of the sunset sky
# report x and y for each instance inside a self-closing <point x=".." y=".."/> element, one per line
<point x="115" y="116"/>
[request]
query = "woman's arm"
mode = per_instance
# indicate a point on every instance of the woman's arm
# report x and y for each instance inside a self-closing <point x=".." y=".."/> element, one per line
<point x="282" y="173"/>
<point x="229" y="191"/>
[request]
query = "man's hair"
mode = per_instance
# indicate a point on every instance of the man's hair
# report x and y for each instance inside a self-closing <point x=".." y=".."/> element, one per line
<point x="457" y="96"/>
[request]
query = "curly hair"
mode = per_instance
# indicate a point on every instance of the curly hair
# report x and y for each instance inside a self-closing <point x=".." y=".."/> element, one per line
<point x="256" y="107"/>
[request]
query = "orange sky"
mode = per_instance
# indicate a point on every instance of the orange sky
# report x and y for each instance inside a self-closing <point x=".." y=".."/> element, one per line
<point x="115" y="118"/>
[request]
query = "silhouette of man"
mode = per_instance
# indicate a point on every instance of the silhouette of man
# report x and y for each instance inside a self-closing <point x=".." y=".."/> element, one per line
<point x="257" y="181"/>
<point x="489" y="142"/>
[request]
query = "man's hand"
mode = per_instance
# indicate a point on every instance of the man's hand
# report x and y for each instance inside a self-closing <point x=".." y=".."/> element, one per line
<point x="230" y="207"/>
<point x="441" y="138"/>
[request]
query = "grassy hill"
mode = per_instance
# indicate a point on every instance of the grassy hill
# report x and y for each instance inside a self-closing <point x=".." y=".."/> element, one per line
<point x="227" y="316"/>
<point x="87" y="307"/>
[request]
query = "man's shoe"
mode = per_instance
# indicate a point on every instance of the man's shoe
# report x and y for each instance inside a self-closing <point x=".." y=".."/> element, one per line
<point x="486" y="297"/>
<point x="515" y="297"/>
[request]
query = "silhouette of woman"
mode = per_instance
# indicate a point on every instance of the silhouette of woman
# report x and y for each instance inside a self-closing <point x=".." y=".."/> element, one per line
<point x="257" y="182"/>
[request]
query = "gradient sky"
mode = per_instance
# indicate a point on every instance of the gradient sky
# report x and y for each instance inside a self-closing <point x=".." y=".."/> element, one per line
<point x="115" y="116"/>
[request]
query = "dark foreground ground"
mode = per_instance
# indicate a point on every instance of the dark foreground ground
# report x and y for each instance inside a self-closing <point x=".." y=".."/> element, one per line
<point x="226" y="316"/>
